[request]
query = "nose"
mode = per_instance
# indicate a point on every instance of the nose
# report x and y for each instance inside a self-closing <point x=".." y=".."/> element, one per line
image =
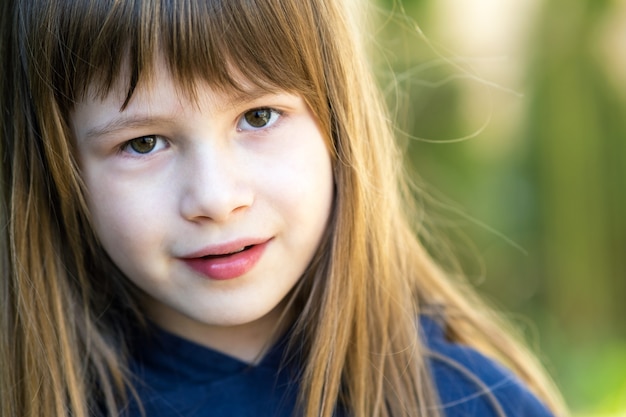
<point x="215" y="185"/>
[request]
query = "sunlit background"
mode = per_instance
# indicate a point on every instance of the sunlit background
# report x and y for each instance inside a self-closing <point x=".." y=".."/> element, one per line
<point x="514" y="112"/>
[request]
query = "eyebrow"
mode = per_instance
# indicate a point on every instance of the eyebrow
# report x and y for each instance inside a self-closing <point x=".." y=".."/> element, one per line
<point x="119" y="124"/>
<point x="239" y="98"/>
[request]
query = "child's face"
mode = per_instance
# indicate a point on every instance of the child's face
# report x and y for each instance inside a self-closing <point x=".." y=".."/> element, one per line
<point x="215" y="207"/>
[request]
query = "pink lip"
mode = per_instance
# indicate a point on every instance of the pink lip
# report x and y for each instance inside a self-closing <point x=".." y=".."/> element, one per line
<point x="222" y="262"/>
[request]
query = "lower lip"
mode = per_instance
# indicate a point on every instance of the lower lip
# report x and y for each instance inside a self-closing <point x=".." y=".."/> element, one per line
<point x="227" y="267"/>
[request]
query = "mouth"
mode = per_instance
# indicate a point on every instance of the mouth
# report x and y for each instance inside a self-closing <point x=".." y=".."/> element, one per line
<point x="225" y="255"/>
<point x="226" y="249"/>
<point x="228" y="261"/>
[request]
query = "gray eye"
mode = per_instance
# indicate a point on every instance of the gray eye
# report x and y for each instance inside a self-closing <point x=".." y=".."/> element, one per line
<point x="144" y="144"/>
<point x="258" y="117"/>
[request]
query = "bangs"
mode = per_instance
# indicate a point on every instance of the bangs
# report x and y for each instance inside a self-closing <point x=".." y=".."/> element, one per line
<point x="269" y="44"/>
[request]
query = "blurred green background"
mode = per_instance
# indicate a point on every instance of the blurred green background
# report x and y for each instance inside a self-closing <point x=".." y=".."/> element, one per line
<point x="515" y="112"/>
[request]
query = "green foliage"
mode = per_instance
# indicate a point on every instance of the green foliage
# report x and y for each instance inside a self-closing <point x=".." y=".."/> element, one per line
<point x="547" y="171"/>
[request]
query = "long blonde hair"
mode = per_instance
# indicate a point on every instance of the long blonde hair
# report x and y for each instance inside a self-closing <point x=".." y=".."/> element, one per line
<point x="62" y="348"/>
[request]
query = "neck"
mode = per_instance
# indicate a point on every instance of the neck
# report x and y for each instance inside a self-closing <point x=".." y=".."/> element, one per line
<point x="247" y="342"/>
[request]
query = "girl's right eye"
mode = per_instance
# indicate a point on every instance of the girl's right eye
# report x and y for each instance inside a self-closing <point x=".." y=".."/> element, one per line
<point x="144" y="145"/>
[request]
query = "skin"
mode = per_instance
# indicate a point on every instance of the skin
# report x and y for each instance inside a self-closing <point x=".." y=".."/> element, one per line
<point x="208" y="181"/>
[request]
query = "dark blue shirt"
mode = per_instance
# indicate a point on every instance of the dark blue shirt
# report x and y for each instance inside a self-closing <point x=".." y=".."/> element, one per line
<point x="469" y="384"/>
<point x="178" y="378"/>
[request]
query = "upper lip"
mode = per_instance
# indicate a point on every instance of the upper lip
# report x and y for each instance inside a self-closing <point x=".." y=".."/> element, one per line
<point x="225" y="248"/>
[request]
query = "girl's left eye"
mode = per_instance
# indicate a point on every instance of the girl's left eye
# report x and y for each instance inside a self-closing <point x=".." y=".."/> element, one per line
<point x="144" y="145"/>
<point x="256" y="119"/>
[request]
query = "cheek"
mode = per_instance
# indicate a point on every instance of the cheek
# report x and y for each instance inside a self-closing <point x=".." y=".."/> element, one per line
<point x="123" y="219"/>
<point x="307" y="186"/>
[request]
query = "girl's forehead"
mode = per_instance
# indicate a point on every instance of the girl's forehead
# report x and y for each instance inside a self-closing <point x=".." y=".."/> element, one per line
<point x="158" y="80"/>
<point x="158" y="84"/>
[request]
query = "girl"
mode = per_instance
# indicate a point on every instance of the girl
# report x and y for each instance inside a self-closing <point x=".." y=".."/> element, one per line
<point x="204" y="215"/>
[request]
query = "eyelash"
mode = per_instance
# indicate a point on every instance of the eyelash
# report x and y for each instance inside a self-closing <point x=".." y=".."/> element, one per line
<point x="128" y="146"/>
<point x="274" y="116"/>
